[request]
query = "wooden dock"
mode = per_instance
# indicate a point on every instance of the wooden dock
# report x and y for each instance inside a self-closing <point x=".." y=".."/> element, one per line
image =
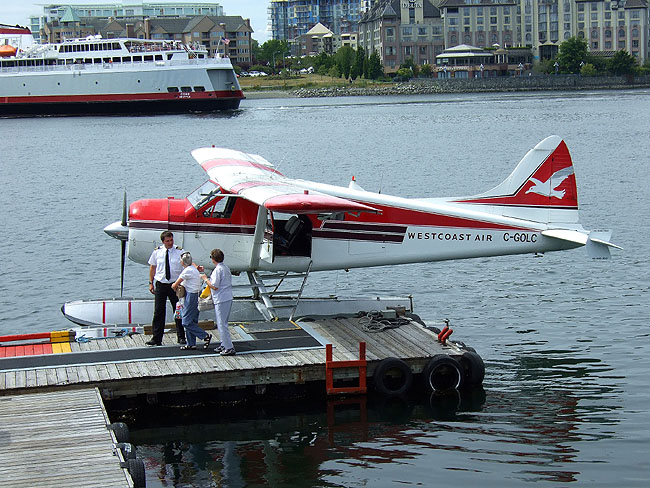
<point x="58" y="439"/>
<point x="123" y="370"/>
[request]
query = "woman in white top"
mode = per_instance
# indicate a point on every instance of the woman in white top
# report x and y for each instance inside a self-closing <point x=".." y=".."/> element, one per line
<point x="220" y="283"/>
<point x="191" y="280"/>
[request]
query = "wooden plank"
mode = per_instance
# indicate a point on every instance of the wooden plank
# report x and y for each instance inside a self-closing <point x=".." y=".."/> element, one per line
<point x="73" y="375"/>
<point x="61" y="376"/>
<point x="10" y="380"/>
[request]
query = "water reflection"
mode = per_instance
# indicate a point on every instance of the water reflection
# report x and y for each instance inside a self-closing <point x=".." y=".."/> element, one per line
<point x="526" y="428"/>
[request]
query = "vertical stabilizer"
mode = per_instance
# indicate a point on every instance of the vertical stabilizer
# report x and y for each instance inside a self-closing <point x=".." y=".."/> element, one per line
<point x="542" y="187"/>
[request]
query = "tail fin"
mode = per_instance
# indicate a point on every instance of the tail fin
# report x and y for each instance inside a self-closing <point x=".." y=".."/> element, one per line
<point x="541" y="188"/>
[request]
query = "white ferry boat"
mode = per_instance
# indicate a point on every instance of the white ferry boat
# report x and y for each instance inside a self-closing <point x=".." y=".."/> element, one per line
<point x="95" y="75"/>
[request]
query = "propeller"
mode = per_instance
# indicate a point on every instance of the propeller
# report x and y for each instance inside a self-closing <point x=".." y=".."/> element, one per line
<point x="120" y="230"/>
<point x="123" y="244"/>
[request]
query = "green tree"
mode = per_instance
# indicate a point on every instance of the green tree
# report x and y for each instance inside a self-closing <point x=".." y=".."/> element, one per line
<point x="623" y="63"/>
<point x="427" y="70"/>
<point x="572" y="52"/>
<point x="360" y="61"/>
<point x="271" y="50"/>
<point x="404" y="74"/>
<point x="344" y="59"/>
<point x="588" y="70"/>
<point x="375" y="69"/>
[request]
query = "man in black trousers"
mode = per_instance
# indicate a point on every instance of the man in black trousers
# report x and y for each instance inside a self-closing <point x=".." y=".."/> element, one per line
<point x="165" y="266"/>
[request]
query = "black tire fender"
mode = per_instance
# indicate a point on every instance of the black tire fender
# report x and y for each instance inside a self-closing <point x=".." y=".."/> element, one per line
<point x="442" y="373"/>
<point x="136" y="470"/>
<point x="387" y="382"/>
<point x="121" y="431"/>
<point x="473" y="368"/>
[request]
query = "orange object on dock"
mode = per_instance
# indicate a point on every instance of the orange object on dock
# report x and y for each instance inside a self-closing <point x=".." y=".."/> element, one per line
<point x="331" y="365"/>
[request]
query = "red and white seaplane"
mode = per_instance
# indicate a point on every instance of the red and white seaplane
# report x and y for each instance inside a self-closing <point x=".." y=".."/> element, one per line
<point x="267" y="222"/>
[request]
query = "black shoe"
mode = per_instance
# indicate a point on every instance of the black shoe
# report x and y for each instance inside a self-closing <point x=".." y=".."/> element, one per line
<point x="228" y="352"/>
<point x="182" y="341"/>
<point x="153" y="343"/>
<point x="219" y="349"/>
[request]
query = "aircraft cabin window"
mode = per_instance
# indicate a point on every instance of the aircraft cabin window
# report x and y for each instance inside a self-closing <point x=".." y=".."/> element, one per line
<point x="222" y="209"/>
<point x="203" y="194"/>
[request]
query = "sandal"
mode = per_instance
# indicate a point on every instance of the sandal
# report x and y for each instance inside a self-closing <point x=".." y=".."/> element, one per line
<point x="187" y="348"/>
<point x="206" y="341"/>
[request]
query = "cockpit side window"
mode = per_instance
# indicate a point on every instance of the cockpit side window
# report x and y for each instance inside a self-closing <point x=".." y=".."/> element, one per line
<point x="203" y="194"/>
<point x="220" y="209"/>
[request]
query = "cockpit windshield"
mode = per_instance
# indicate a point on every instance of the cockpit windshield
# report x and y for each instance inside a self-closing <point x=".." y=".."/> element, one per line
<point x="203" y="194"/>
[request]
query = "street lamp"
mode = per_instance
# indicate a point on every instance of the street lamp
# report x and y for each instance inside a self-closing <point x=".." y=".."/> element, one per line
<point x="481" y="67"/>
<point x="556" y="66"/>
<point x="521" y="69"/>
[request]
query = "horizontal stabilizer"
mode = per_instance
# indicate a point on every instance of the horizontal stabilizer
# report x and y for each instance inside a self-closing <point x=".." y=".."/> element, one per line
<point x="596" y="242"/>
<point x="567" y="235"/>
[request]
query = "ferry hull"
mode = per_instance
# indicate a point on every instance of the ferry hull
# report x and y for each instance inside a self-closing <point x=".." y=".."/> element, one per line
<point x="118" y="107"/>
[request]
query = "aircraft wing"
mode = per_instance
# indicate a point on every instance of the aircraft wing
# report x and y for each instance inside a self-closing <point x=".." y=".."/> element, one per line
<point x="255" y="179"/>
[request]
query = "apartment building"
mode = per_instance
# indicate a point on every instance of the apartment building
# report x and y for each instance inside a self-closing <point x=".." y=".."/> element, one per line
<point x="402" y="29"/>
<point x="544" y="24"/>
<point x="124" y="10"/>
<point x="229" y="35"/>
<point x="290" y="19"/>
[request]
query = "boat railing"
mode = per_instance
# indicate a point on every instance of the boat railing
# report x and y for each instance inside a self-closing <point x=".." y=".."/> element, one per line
<point x="117" y="65"/>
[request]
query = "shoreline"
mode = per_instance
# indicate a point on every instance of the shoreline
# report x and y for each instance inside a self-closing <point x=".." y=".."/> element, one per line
<point x="477" y="85"/>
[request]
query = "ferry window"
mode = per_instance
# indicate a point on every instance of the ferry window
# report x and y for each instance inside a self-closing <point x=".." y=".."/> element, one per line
<point x="172" y="89"/>
<point x="148" y="58"/>
<point x="169" y="56"/>
<point x="116" y="59"/>
<point x="158" y="57"/>
<point x="201" y="56"/>
<point x="116" y="45"/>
<point x="199" y="88"/>
<point x="186" y="88"/>
<point x="126" y="59"/>
<point x="137" y="59"/>
<point x="222" y="209"/>
<point x="97" y="61"/>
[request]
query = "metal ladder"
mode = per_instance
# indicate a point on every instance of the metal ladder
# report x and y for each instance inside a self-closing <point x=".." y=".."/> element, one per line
<point x="265" y="292"/>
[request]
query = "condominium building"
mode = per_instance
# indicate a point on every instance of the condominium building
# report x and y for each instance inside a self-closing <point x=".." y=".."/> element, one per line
<point x="227" y="35"/>
<point x="126" y="9"/>
<point x="544" y="24"/>
<point x="401" y="29"/>
<point x="422" y="29"/>
<point x="290" y="19"/>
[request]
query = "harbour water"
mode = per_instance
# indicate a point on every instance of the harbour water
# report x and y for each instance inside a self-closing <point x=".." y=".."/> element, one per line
<point x="566" y="340"/>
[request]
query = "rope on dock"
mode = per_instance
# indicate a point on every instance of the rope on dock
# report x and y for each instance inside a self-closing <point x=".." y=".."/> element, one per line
<point x="376" y="322"/>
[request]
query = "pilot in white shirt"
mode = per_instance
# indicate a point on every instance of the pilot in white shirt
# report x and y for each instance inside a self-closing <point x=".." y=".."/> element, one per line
<point x="164" y="268"/>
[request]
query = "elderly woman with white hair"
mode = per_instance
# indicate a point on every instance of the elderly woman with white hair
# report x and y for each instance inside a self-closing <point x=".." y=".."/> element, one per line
<point x="191" y="280"/>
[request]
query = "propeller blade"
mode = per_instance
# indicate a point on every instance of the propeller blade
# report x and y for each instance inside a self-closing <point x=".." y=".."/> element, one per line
<point x="123" y="243"/>
<point x="124" y="210"/>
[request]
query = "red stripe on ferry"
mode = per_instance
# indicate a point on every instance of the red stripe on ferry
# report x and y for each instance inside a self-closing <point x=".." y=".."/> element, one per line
<point x="213" y="163"/>
<point x="14" y="30"/>
<point x="123" y="97"/>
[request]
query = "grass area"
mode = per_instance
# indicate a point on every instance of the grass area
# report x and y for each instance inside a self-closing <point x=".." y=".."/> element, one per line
<point x="261" y="83"/>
